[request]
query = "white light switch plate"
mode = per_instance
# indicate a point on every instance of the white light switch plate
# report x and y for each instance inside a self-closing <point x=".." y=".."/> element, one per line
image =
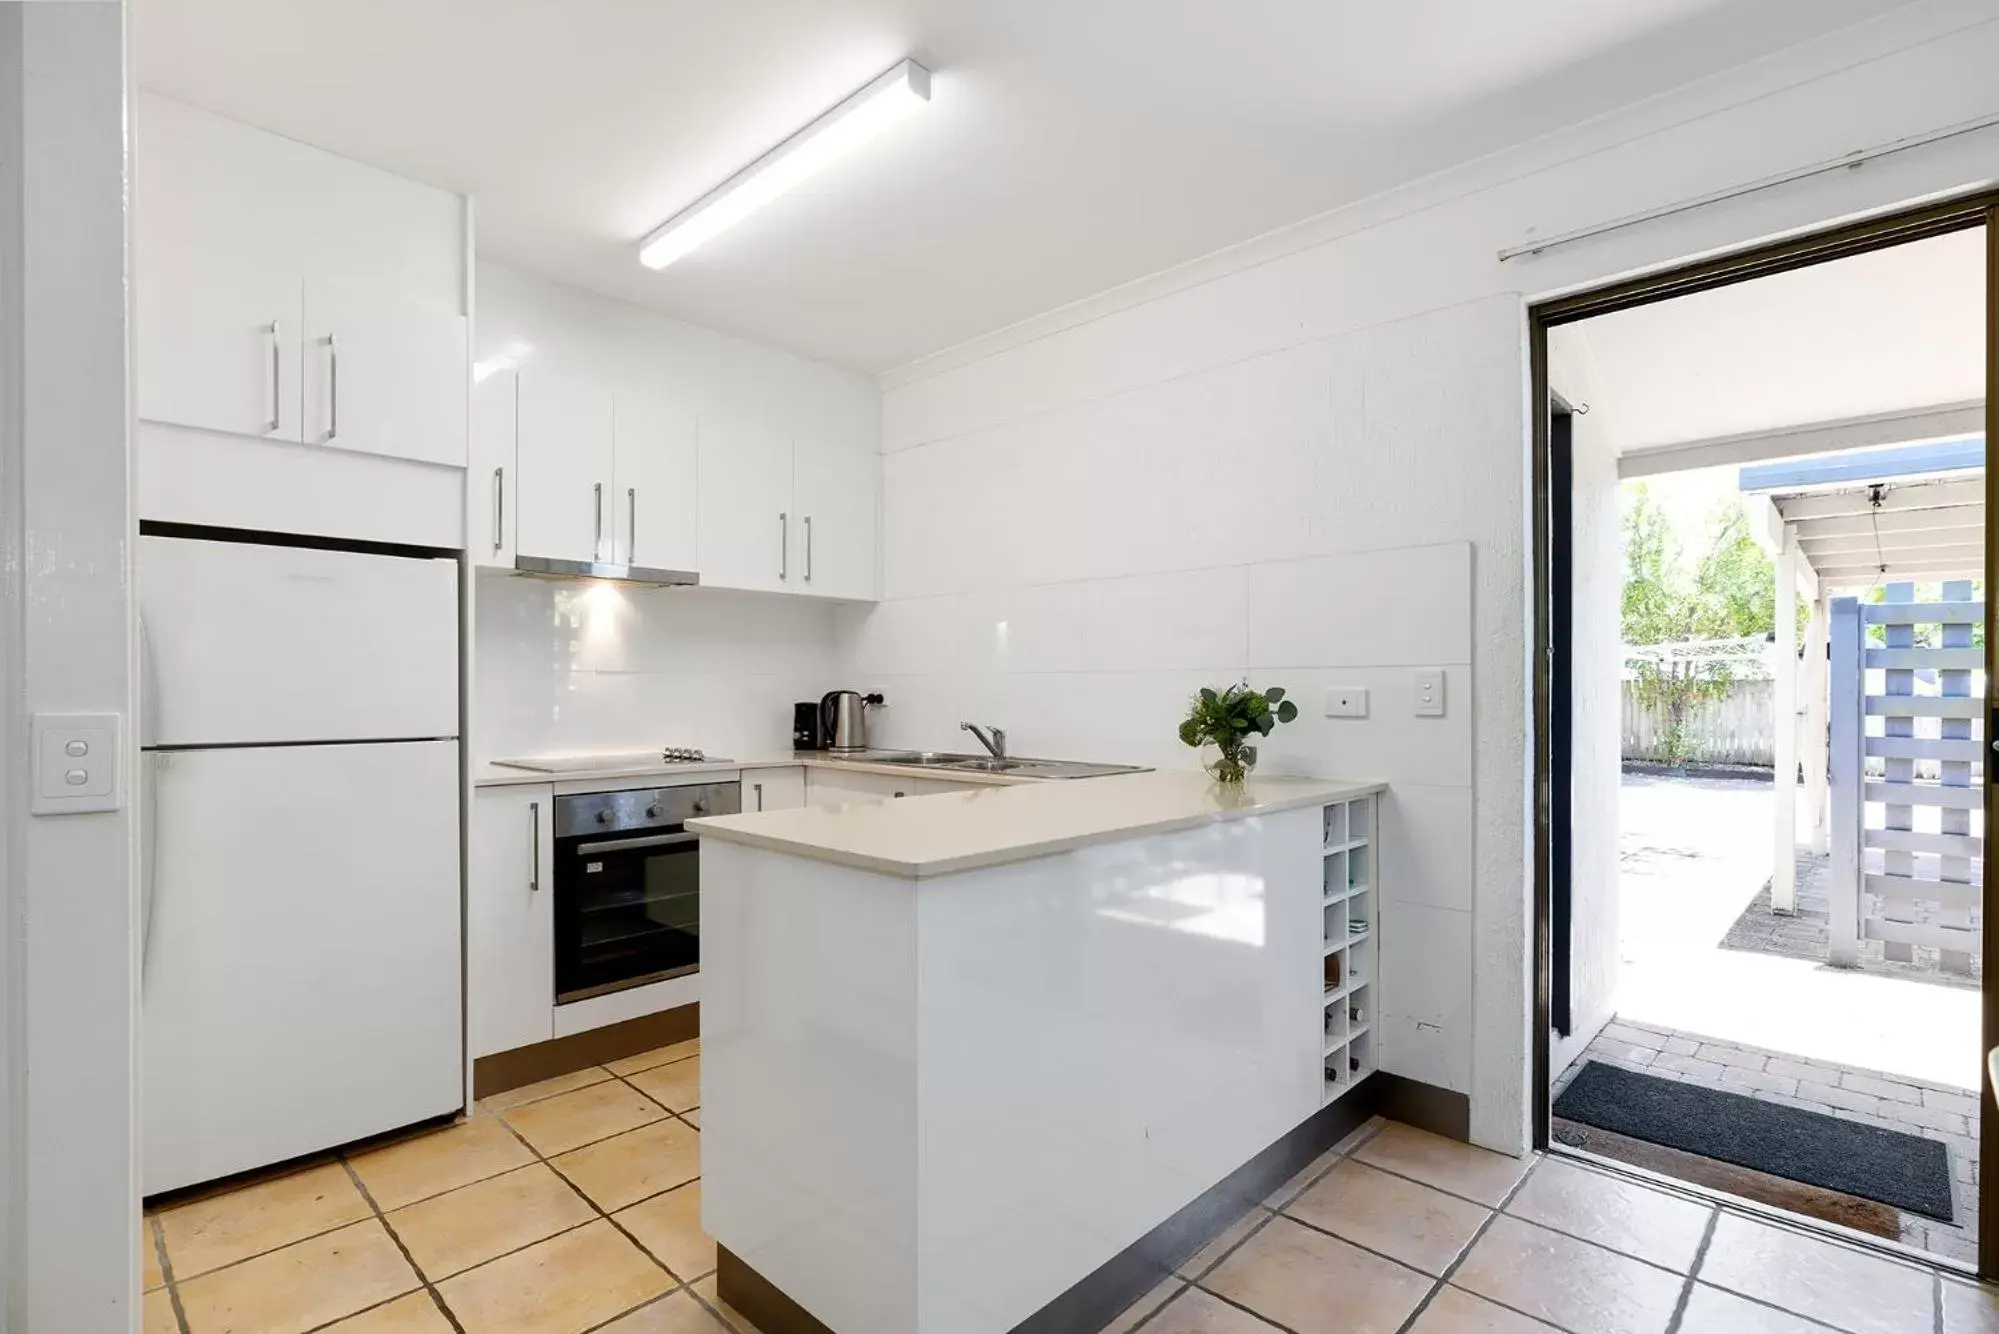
<point x="1429" y="692"/>
<point x="76" y="763"/>
<point x="1346" y="702"/>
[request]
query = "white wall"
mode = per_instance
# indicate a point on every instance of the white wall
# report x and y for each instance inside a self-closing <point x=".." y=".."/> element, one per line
<point x="575" y="667"/>
<point x="1357" y="385"/>
<point x="69" y="949"/>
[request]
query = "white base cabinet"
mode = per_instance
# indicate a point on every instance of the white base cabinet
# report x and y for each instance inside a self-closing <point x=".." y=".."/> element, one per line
<point x="773" y="789"/>
<point x="823" y="786"/>
<point x="511" y="918"/>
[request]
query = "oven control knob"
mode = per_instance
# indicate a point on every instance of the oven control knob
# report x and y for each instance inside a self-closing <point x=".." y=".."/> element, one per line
<point x="652" y="811"/>
<point x="700" y="806"/>
<point x="603" y="817"/>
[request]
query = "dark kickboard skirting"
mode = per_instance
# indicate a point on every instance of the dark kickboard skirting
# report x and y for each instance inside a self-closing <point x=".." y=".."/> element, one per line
<point x="1889" y="1166"/>
<point x="514" y="1069"/>
<point x="1105" y="1294"/>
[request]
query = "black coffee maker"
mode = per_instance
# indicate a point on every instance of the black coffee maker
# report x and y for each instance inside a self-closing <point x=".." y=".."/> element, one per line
<point x="808" y="726"/>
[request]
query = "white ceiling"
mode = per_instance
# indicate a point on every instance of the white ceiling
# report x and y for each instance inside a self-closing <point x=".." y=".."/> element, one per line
<point x="1882" y="333"/>
<point x="1073" y="145"/>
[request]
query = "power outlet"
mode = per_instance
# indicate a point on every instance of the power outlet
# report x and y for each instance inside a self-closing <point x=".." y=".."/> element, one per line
<point x="1429" y="692"/>
<point x="1346" y="702"/>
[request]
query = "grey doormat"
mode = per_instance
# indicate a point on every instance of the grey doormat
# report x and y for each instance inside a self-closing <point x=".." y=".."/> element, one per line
<point x="1906" y="1171"/>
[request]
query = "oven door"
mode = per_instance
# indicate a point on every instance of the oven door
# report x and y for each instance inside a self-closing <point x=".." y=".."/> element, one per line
<point x="627" y="911"/>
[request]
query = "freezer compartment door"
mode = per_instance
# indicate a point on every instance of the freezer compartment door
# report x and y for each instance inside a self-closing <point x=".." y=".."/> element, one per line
<point x="302" y="979"/>
<point x="252" y="643"/>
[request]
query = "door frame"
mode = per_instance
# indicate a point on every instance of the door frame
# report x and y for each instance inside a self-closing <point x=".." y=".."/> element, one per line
<point x="1971" y="210"/>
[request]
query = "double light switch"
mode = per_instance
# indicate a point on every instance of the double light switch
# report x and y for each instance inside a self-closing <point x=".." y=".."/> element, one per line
<point x="76" y="763"/>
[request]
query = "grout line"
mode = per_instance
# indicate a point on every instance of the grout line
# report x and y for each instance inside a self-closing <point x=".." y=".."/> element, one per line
<point x="1450" y="1271"/>
<point x="1171" y="1297"/>
<point x="415" y="1268"/>
<point x="159" y="1235"/>
<point x="1700" y="1256"/>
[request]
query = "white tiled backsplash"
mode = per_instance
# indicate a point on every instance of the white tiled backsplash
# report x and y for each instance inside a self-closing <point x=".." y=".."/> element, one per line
<point x="567" y="666"/>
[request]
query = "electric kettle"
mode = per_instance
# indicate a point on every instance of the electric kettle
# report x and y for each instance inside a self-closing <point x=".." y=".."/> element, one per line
<point x="843" y="719"/>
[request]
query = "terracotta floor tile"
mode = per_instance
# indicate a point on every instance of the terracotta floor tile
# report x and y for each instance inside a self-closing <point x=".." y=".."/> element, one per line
<point x="1839" y="1285"/>
<point x="1455" y="1311"/>
<point x="149" y="1256"/>
<point x="1423" y="1228"/>
<point x="1712" y="1311"/>
<point x="646" y="1060"/>
<point x="1611" y="1211"/>
<point x="1461" y="1169"/>
<point x="676" y="1086"/>
<point x="1197" y="1312"/>
<point x="217" y="1230"/>
<point x="707" y="1289"/>
<point x="301" y="1287"/>
<point x="1316" y="1284"/>
<point x="1204" y="1259"/>
<point x="669" y="1226"/>
<point x="627" y="1168"/>
<point x="469" y="1226"/>
<point x="1129" y="1320"/>
<point x="437" y="1161"/>
<point x="1567" y="1282"/>
<point x="675" y="1314"/>
<point x="547" y="1088"/>
<point x="1970" y="1308"/>
<point x="157" y="1314"/>
<point x="564" y="1285"/>
<point x="571" y="1120"/>
<point x="414" y="1314"/>
<point x="1302" y="1178"/>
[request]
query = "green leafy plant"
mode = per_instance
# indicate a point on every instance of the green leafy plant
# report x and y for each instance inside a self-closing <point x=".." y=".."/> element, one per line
<point x="1229" y="720"/>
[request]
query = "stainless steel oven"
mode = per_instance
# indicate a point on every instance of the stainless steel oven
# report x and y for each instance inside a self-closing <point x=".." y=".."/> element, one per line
<point x="628" y="886"/>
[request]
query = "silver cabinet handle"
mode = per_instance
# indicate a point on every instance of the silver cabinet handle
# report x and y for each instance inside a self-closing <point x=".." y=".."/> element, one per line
<point x="332" y="386"/>
<point x="783" y="545"/>
<point x="808" y="548"/>
<point x="534" y="846"/>
<point x="632" y="525"/>
<point x="758" y="788"/>
<point x="597" y="543"/>
<point x="277" y="388"/>
<point x="499" y="507"/>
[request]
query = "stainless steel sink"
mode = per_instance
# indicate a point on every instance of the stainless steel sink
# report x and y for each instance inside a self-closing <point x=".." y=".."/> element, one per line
<point x="1015" y="766"/>
<point x="915" y="759"/>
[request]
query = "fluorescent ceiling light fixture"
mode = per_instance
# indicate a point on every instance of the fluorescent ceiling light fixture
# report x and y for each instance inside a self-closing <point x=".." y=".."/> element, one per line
<point x="847" y="126"/>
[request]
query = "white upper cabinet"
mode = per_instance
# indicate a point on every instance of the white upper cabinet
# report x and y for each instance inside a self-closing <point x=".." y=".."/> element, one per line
<point x="566" y="451"/>
<point x="492" y="482"/>
<point x="747" y="521"/>
<point x="835" y="495"/>
<point x="383" y="375"/>
<point x="653" y="467"/>
<point x="218" y="344"/>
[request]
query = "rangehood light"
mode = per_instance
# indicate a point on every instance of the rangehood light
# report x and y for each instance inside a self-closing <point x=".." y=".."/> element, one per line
<point x="868" y="112"/>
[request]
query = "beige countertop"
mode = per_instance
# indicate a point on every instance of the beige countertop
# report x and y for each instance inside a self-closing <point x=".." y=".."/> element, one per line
<point x="497" y="775"/>
<point x="921" y="837"/>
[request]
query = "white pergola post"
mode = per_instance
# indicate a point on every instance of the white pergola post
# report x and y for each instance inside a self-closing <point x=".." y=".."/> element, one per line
<point x="1784" y="727"/>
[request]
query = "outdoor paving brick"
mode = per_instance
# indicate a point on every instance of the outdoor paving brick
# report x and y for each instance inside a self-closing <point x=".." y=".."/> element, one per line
<point x="1961" y="1103"/>
<point x="1624" y="1051"/>
<point x="1680" y="1047"/>
<point x="1721" y="1054"/>
<point x="1635" y="1037"/>
<point x="1758" y="1079"/>
<point x="1795" y="1069"/>
<point x="1927" y="1118"/>
<point x="1689" y="1065"/>
<point x="1881" y="1088"/>
<point x="1831" y="1096"/>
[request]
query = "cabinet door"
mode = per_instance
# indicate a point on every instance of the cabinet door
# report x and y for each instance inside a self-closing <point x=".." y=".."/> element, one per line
<point x="827" y="785"/>
<point x="654" y="466"/>
<point x="746" y="518"/>
<point x="510" y="927"/>
<point x="383" y="375"/>
<point x="835" y="537"/>
<point x="492" y="483"/>
<point x="773" y="789"/>
<point x="564" y="462"/>
<point x="217" y="344"/>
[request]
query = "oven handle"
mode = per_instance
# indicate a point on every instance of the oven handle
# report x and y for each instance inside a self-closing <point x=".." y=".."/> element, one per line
<point x="623" y="844"/>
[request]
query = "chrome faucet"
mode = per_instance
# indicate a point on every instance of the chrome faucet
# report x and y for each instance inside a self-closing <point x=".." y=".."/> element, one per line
<point x="992" y="738"/>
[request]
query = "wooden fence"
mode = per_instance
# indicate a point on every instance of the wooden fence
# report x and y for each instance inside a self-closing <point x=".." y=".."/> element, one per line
<point x="1734" y="729"/>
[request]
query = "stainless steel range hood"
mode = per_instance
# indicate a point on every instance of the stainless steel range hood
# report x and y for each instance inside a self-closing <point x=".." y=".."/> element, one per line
<point x="545" y="567"/>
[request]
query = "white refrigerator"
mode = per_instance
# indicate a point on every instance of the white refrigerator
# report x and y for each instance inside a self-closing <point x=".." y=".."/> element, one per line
<point x="302" y="941"/>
